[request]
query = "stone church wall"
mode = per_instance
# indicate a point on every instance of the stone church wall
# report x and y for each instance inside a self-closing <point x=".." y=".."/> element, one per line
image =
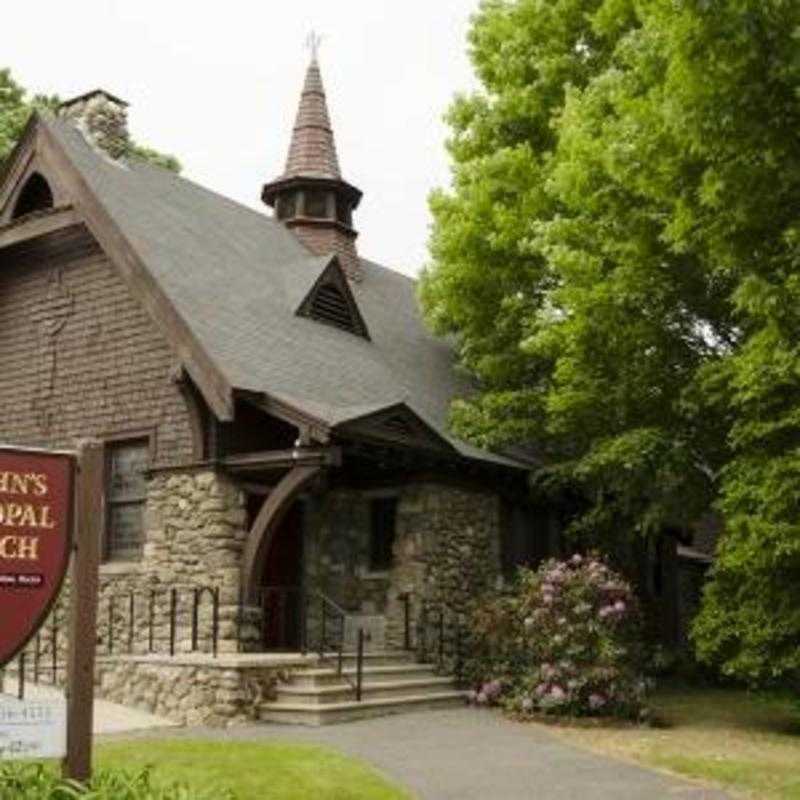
<point x="446" y="554"/>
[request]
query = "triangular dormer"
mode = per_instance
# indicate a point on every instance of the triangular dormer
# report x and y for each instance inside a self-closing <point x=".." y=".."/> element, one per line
<point x="331" y="302"/>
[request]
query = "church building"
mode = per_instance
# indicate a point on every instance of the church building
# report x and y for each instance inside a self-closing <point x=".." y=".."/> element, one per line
<point x="273" y="409"/>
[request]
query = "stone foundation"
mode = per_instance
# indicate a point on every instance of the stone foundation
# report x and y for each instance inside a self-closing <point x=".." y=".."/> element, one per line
<point x="193" y="690"/>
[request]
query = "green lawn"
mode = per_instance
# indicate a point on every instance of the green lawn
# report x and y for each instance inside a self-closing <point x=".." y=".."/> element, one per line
<point x="748" y="743"/>
<point x="254" y="771"/>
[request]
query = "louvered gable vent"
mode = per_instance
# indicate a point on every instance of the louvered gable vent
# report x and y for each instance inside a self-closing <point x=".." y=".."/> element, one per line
<point x="331" y="303"/>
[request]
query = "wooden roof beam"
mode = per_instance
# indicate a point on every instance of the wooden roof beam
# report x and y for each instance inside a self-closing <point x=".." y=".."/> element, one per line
<point x="284" y="459"/>
<point x="34" y="226"/>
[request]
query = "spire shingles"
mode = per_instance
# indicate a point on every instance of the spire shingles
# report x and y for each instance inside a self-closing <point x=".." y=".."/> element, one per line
<point x="312" y="152"/>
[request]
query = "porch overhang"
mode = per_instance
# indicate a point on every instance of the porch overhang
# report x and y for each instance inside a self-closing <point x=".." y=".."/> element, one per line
<point x="281" y="460"/>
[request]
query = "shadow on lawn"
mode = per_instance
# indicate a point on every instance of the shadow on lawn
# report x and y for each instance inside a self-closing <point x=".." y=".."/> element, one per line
<point x="685" y="706"/>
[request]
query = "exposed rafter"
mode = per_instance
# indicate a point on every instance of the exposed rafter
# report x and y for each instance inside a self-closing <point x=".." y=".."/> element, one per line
<point x="34" y="226"/>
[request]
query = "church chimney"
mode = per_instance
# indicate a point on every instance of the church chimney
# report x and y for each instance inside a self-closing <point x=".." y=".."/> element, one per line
<point x="310" y="197"/>
<point x="102" y="118"/>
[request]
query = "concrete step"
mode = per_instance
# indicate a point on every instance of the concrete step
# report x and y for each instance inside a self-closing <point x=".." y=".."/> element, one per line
<point x="325" y="676"/>
<point x="373" y="658"/>
<point x="344" y="692"/>
<point x="307" y="714"/>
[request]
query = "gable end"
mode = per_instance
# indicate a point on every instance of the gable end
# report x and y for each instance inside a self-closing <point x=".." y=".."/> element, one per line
<point x="331" y="302"/>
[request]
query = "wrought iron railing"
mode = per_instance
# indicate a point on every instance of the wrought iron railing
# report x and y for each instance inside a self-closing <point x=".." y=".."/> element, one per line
<point x="135" y="622"/>
<point x="439" y="636"/>
<point x="307" y="621"/>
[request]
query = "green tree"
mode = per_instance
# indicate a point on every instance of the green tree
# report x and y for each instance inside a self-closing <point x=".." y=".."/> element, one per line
<point x="616" y="259"/>
<point x="16" y="108"/>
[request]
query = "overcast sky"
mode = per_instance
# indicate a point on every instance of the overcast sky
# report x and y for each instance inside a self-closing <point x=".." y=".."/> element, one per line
<point x="217" y="84"/>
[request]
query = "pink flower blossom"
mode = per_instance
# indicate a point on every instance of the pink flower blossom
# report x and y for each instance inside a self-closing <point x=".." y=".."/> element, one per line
<point x="596" y="701"/>
<point x="557" y="693"/>
<point x="620" y="606"/>
<point x="527" y="704"/>
<point x="492" y="689"/>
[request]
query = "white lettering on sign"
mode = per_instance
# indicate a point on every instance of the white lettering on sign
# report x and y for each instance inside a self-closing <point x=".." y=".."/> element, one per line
<point x="32" y="728"/>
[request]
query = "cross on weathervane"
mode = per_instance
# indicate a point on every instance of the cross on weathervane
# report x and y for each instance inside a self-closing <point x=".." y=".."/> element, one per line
<point x="313" y="41"/>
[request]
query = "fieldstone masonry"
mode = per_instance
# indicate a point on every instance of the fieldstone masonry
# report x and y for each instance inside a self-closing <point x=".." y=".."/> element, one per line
<point x="446" y="554"/>
<point x="190" y="693"/>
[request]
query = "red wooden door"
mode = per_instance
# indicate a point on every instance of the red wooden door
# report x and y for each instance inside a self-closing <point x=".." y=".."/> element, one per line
<point x="281" y="581"/>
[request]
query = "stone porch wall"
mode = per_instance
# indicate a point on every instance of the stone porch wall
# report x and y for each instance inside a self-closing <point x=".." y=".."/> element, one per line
<point x="190" y="690"/>
<point x="446" y="554"/>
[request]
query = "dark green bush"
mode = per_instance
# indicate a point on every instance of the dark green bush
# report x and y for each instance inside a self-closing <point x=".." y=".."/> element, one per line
<point x="36" y="782"/>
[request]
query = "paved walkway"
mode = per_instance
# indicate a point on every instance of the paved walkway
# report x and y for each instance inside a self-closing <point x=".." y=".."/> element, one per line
<point x="464" y="754"/>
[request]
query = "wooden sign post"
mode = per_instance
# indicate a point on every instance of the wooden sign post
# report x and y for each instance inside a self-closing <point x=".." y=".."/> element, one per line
<point x="38" y="535"/>
<point x="84" y="591"/>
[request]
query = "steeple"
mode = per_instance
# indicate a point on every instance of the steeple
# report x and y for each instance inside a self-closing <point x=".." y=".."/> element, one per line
<point x="310" y="197"/>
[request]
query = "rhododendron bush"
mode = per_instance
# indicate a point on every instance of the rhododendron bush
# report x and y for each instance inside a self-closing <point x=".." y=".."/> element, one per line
<point x="567" y="640"/>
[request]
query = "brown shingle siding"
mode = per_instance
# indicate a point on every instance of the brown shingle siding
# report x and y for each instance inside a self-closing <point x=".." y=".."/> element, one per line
<point x="105" y="372"/>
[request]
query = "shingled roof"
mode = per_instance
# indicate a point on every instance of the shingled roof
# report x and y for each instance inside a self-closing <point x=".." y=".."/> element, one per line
<point x="236" y="278"/>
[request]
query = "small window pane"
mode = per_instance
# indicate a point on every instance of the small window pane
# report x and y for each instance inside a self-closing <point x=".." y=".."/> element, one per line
<point x="316" y="203"/>
<point x="127" y="492"/>
<point x="343" y="212"/>
<point x="126" y="527"/>
<point x="383" y="512"/>
<point x="286" y="206"/>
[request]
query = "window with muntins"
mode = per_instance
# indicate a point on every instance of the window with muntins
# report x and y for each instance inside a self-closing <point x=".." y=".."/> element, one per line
<point x="383" y="528"/>
<point x="127" y="493"/>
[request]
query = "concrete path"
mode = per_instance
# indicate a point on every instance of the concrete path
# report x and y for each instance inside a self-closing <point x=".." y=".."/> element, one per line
<point x="108" y="717"/>
<point x="464" y="754"/>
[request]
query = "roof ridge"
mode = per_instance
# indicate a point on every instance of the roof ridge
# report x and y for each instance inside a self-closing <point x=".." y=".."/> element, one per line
<point x="138" y="160"/>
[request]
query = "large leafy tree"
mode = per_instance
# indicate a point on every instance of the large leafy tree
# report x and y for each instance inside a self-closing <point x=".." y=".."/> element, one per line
<point x="16" y="107"/>
<point x="618" y="260"/>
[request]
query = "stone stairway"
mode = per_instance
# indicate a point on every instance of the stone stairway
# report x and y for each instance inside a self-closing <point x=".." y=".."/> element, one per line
<point x="392" y="683"/>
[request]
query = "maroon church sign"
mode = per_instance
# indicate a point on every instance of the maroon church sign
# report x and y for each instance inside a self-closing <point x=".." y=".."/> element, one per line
<point x="36" y="498"/>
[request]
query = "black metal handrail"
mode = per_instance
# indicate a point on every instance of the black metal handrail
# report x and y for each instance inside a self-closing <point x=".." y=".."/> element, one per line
<point x="198" y="593"/>
<point x="330" y="608"/>
<point x="442" y="620"/>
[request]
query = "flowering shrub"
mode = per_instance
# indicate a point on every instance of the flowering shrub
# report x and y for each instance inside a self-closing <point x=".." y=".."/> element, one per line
<point x="566" y="641"/>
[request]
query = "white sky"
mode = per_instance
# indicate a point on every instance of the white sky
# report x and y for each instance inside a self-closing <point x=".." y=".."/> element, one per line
<point x="218" y="85"/>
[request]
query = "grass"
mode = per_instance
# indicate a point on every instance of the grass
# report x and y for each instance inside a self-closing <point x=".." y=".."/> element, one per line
<point x="747" y="743"/>
<point x="254" y="771"/>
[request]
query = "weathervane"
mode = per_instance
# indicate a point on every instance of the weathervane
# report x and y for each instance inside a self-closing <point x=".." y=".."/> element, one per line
<point x="313" y="41"/>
